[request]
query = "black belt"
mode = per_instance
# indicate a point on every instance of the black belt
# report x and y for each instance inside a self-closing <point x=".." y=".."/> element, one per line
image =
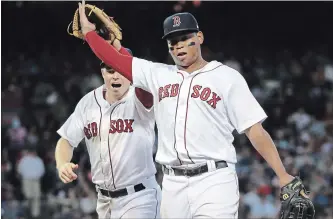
<point x="121" y="192"/>
<point x="194" y="171"/>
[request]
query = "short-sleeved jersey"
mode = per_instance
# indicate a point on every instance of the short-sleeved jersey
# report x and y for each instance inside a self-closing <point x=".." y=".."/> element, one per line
<point x="119" y="138"/>
<point x="196" y="113"/>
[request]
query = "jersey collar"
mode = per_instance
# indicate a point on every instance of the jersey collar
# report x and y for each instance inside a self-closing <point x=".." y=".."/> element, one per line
<point x="100" y="97"/>
<point x="208" y="67"/>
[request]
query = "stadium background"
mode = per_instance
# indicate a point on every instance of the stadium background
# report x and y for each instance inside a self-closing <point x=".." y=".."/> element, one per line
<point x="284" y="50"/>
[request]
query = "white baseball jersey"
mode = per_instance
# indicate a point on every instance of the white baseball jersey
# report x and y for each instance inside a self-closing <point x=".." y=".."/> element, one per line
<point x="119" y="138"/>
<point x="196" y="113"/>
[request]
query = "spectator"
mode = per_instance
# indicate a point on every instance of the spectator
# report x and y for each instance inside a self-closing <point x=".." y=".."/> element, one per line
<point x="32" y="138"/>
<point x="31" y="169"/>
<point x="17" y="134"/>
<point x="6" y="167"/>
<point x="300" y="118"/>
<point x="261" y="203"/>
<point x="10" y="207"/>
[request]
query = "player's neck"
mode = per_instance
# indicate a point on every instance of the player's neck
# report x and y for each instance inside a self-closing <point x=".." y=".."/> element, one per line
<point x="114" y="97"/>
<point x="198" y="64"/>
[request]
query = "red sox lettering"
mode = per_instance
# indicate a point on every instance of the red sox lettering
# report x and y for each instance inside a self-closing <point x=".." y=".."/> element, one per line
<point x="121" y="126"/>
<point x="205" y="94"/>
<point x="167" y="92"/>
<point x="116" y="126"/>
<point x="91" y="130"/>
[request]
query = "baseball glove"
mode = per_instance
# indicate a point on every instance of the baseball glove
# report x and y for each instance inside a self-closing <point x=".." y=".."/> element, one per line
<point x="106" y="27"/>
<point x="295" y="203"/>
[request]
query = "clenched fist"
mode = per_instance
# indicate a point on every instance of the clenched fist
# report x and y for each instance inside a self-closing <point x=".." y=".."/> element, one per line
<point x="66" y="172"/>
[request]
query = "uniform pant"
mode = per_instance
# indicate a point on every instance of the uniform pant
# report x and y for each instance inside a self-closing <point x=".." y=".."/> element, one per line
<point x="143" y="204"/>
<point x="214" y="194"/>
<point x="32" y="192"/>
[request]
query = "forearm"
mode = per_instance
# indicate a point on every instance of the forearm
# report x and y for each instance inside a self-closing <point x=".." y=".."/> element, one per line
<point x="109" y="55"/>
<point x="264" y="144"/>
<point x="124" y="51"/>
<point x="63" y="152"/>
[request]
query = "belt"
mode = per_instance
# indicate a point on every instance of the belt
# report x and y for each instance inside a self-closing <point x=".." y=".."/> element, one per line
<point x="121" y="192"/>
<point x="193" y="171"/>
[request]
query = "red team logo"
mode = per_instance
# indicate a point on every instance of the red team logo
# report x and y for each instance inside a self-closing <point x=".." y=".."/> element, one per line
<point x="176" y="21"/>
<point x="121" y="125"/>
<point x="90" y="130"/>
<point x="116" y="126"/>
<point x="205" y="94"/>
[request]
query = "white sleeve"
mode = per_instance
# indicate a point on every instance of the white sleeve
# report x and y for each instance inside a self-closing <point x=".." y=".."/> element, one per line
<point x="145" y="74"/>
<point x="142" y="73"/>
<point x="243" y="109"/>
<point x="73" y="129"/>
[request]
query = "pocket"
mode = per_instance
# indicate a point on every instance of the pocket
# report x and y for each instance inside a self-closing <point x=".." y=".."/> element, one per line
<point x="222" y="175"/>
<point x="174" y="183"/>
<point x="223" y="200"/>
<point x="164" y="183"/>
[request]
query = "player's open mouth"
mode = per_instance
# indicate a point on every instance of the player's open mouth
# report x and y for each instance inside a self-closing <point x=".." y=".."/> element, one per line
<point x="115" y="85"/>
<point x="181" y="55"/>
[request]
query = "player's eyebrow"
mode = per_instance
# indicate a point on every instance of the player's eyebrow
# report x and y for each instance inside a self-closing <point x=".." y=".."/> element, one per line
<point x="110" y="70"/>
<point x="177" y="39"/>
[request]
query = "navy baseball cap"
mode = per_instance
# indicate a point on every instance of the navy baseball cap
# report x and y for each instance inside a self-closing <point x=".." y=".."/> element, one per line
<point x="179" y="23"/>
<point x="103" y="65"/>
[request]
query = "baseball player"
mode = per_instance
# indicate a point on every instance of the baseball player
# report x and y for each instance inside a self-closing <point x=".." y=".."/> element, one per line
<point x="197" y="106"/>
<point x="117" y="122"/>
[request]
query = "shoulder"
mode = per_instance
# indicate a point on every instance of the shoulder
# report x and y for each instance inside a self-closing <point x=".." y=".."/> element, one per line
<point x="154" y="66"/>
<point x="90" y="98"/>
<point x="230" y="72"/>
<point x="228" y="75"/>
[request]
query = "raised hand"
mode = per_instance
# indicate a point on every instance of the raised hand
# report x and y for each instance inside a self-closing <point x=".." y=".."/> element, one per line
<point x="86" y="25"/>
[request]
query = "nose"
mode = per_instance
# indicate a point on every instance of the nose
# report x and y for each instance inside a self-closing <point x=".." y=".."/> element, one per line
<point x="179" y="45"/>
<point x="115" y="77"/>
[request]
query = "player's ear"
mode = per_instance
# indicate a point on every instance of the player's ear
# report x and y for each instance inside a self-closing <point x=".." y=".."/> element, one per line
<point x="103" y="72"/>
<point x="200" y="37"/>
<point x="170" y="48"/>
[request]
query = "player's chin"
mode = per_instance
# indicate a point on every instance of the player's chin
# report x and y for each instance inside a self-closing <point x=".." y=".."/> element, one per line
<point x="184" y="63"/>
<point x="115" y="90"/>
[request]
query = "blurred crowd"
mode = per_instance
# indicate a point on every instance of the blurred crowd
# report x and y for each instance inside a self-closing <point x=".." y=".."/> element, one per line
<point x="296" y="94"/>
<point x="40" y="90"/>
